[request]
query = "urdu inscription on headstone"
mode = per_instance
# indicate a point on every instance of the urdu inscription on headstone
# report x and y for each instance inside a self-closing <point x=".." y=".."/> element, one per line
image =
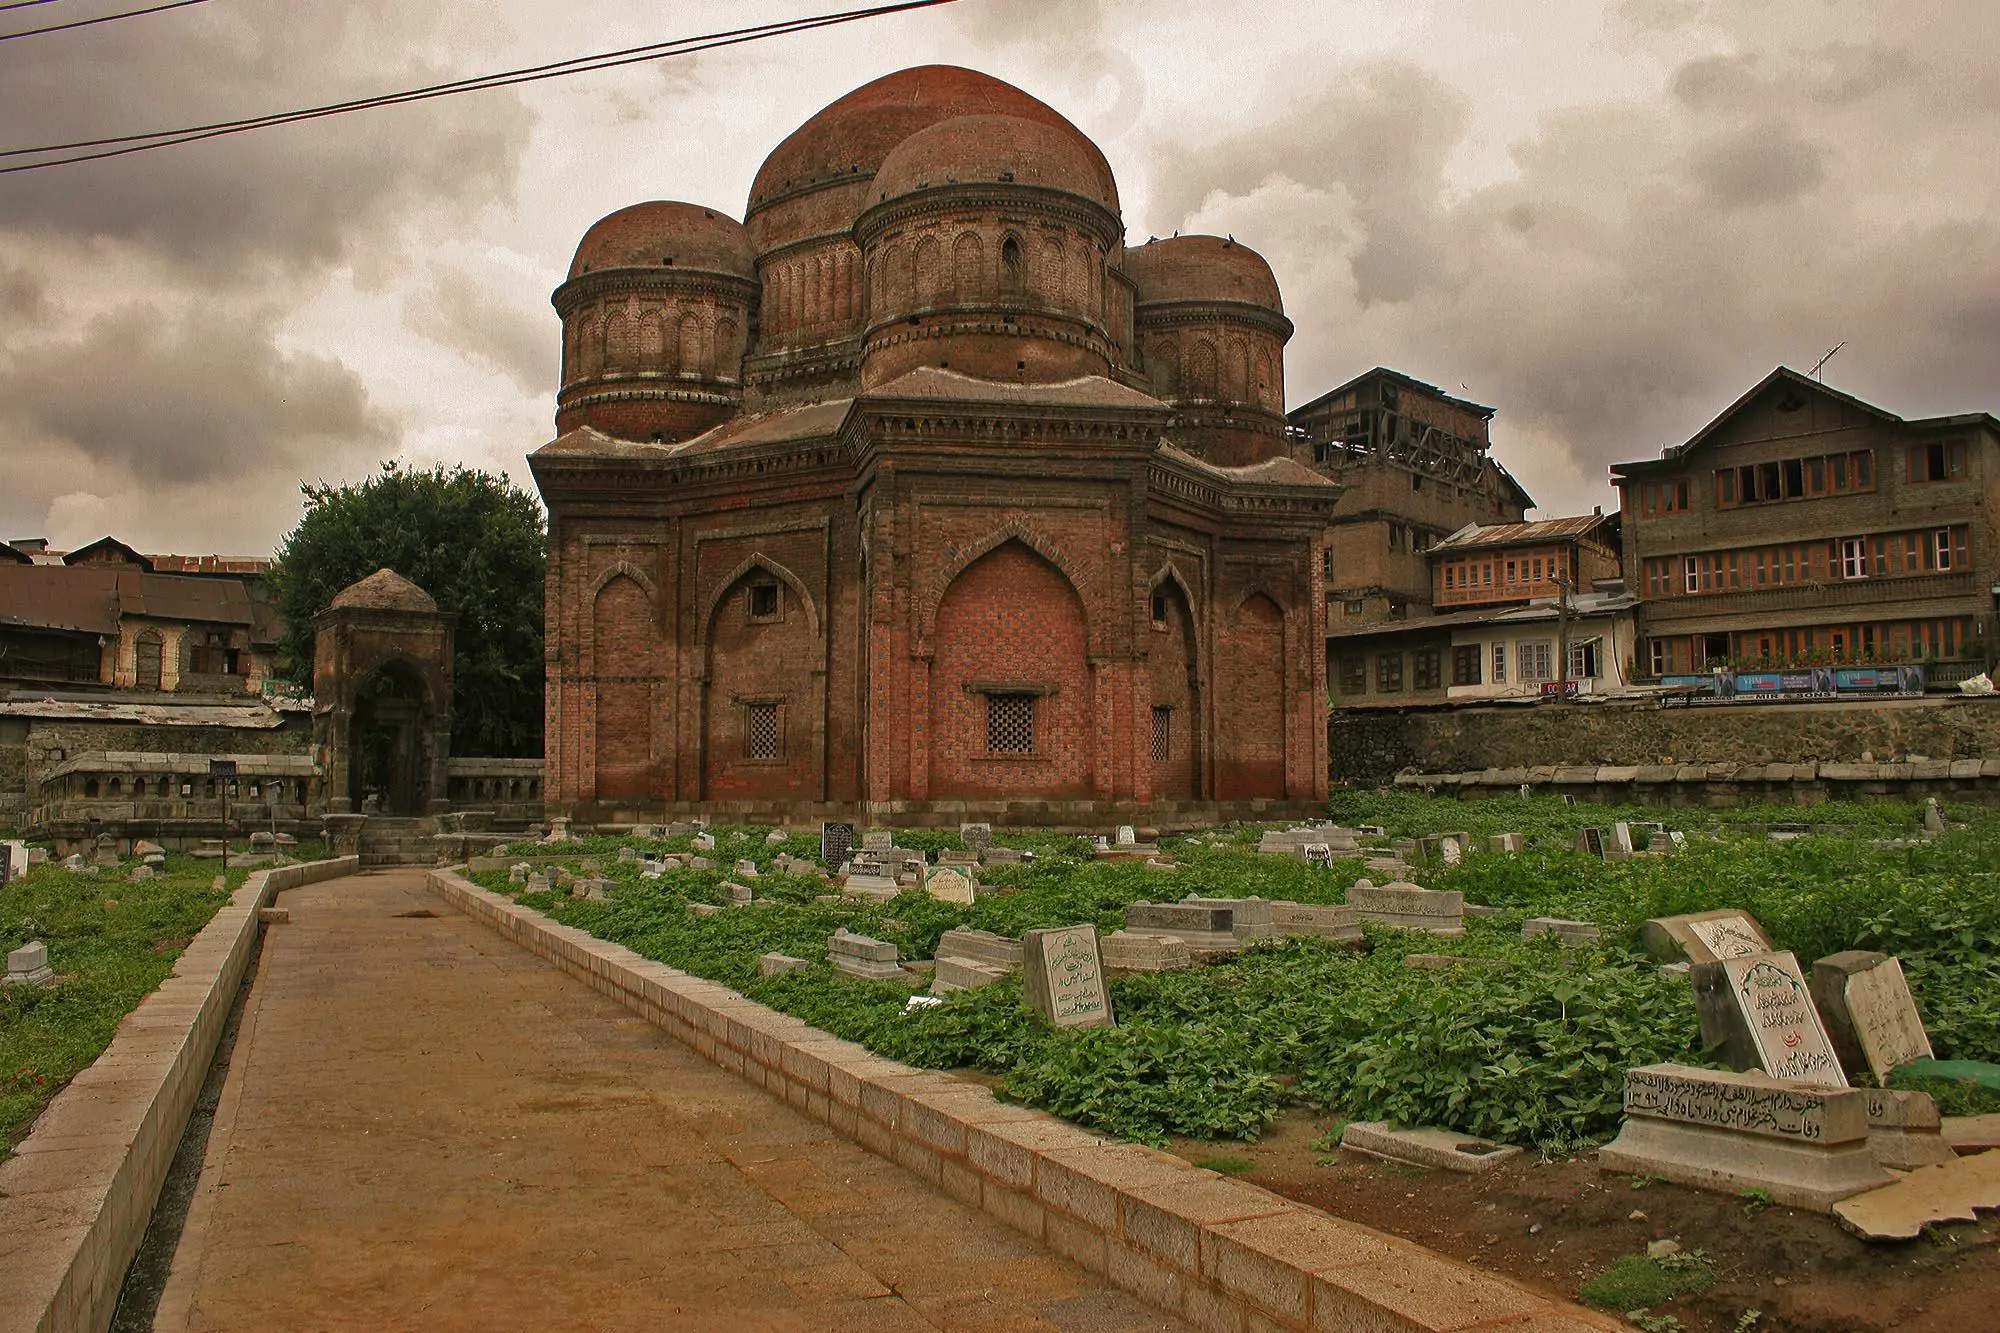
<point x="1064" y="976"/>
<point x="836" y="844"/>
<point x="975" y="837"/>
<point x="1869" y="1012"/>
<point x="1759" y="1009"/>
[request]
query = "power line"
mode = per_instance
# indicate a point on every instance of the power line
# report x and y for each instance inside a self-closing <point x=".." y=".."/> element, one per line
<point x="89" y="23"/>
<point x="138" y="143"/>
<point x="24" y="4"/>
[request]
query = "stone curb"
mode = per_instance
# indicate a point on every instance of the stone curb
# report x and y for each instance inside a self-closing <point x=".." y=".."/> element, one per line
<point x="1227" y="1256"/>
<point x="76" y="1198"/>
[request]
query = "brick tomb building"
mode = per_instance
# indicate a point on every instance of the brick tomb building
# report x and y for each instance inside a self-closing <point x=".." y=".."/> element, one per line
<point x="916" y="494"/>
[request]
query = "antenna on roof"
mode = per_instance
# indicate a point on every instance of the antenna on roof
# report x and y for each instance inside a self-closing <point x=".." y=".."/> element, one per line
<point x="1821" y="363"/>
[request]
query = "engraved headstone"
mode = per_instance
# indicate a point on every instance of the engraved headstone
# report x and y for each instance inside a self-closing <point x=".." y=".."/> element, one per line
<point x="1869" y="1012"/>
<point x="1807" y="1147"/>
<point x="537" y="883"/>
<point x="861" y="956"/>
<point x="1124" y="951"/>
<point x="1127" y="836"/>
<point x="948" y="886"/>
<point x="836" y="844"/>
<point x="1317" y="921"/>
<point x="1249" y="918"/>
<point x="1759" y="1012"/>
<point x="1064" y="975"/>
<point x="1409" y="906"/>
<point x="1704" y="937"/>
<point x="1507" y="842"/>
<point x="1590" y="841"/>
<point x="1319" y="854"/>
<point x="975" y="838"/>
<point x="28" y="964"/>
<point x="1206" y="929"/>
<point x="13" y="861"/>
<point x="878" y="840"/>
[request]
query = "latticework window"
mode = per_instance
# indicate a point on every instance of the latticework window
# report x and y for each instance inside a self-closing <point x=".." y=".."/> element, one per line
<point x="760" y="732"/>
<point x="1010" y="723"/>
<point x="1163" y="734"/>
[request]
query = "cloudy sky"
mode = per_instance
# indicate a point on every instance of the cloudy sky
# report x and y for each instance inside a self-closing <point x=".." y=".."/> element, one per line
<point x="1607" y="218"/>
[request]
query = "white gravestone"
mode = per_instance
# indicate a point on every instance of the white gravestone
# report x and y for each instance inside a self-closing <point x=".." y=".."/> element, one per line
<point x="1759" y="1006"/>
<point x="1869" y="1012"/>
<point x="948" y="886"/>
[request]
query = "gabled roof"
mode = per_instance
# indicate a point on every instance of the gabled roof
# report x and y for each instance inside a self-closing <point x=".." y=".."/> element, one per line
<point x="105" y="551"/>
<point x="1675" y="455"/>
<point x="1477" y="537"/>
<point x="1407" y="381"/>
<point x="13" y="556"/>
<point x="80" y="600"/>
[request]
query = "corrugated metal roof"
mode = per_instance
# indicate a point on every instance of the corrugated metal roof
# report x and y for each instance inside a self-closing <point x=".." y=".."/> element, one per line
<point x="82" y="599"/>
<point x="177" y="597"/>
<point x="1519" y="534"/>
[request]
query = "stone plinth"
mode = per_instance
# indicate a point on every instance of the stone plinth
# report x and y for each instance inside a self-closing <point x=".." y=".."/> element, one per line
<point x="955" y="974"/>
<point x="980" y="946"/>
<point x="1317" y="921"/>
<point x="1124" y="951"/>
<point x="1806" y="1146"/>
<point x="1205" y="929"/>
<point x="859" y="956"/>
<point x="28" y="964"/>
<point x="775" y="964"/>
<point x="1409" y="906"/>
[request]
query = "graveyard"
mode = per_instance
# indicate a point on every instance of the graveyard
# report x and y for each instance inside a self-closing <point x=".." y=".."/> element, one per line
<point x="1506" y="974"/>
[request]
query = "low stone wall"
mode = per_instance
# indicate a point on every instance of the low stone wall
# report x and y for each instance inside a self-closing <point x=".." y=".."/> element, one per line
<point x="1724" y="785"/>
<point x="76" y="1199"/>
<point x="1222" y="1253"/>
<point x="1056" y="816"/>
<point x="1371" y="746"/>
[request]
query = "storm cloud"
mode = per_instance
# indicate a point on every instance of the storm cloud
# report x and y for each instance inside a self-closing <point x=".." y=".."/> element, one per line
<point x="1604" y="217"/>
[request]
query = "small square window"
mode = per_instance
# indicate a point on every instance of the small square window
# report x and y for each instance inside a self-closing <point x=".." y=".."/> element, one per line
<point x="1163" y="733"/>
<point x="1353" y="674"/>
<point x="1010" y="724"/>
<point x="1389" y="672"/>
<point x="763" y="601"/>
<point x="1354" y="608"/>
<point x="763" y="738"/>
<point x="1159" y="608"/>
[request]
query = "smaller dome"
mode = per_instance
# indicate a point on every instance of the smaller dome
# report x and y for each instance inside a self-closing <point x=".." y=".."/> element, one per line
<point x="1202" y="268"/>
<point x="385" y="590"/>
<point x="969" y="149"/>
<point x="666" y="235"/>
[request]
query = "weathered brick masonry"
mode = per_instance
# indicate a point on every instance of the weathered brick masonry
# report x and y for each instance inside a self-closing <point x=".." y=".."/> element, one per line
<point x="876" y="499"/>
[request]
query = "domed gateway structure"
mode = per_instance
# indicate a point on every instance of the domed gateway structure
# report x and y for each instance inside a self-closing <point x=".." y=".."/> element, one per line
<point x="915" y="495"/>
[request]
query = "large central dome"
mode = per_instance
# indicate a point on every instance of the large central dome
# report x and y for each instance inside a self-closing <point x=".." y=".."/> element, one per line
<point x="849" y="138"/>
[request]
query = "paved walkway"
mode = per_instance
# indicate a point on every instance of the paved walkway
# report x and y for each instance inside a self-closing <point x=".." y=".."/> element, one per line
<point x="425" y="1127"/>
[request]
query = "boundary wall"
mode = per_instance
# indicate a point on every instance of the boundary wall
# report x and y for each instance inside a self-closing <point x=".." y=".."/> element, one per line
<point x="78" y="1195"/>
<point x="1227" y="1256"/>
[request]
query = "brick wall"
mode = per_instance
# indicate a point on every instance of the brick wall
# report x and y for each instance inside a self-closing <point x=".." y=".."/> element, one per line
<point x="767" y="663"/>
<point x="625" y="647"/>
<point x="1173" y="668"/>
<point x="1250" y="708"/>
<point x="1011" y="618"/>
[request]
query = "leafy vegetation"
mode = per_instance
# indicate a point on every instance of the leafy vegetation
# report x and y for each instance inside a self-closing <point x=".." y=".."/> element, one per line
<point x="474" y="542"/>
<point x="1531" y="1051"/>
<point x="111" y="942"/>
<point x="1636" y="1282"/>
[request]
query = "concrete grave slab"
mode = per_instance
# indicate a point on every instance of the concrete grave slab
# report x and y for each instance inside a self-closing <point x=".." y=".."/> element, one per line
<point x="1124" y="951"/>
<point x="1572" y="934"/>
<point x="981" y="946"/>
<point x="1905" y="1129"/>
<point x="1442" y="912"/>
<point x="775" y="964"/>
<point x="864" y="957"/>
<point x="1954" y="1191"/>
<point x="1806" y="1146"/>
<point x="1445" y="1149"/>
<point x="29" y="964"/>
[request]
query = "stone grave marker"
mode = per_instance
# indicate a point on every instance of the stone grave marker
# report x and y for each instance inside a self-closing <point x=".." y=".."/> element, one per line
<point x="29" y="964"/>
<point x="1805" y="1146"/>
<point x="628" y="854"/>
<point x="981" y="946"/>
<point x="1065" y="976"/>
<point x="1316" y="921"/>
<point x="956" y="974"/>
<point x="1123" y="951"/>
<point x="740" y="895"/>
<point x="1934" y="820"/>
<point x="1759" y="1011"/>
<point x="1704" y="937"/>
<point x="704" y="842"/>
<point x="1250" y="918"/>
<point x="861" y="956"/>
<point x="746" y="868"/>
<point x="1410" y="906"/>
<point x="517" y="874"/>
<point x="1205" y="929"/>
<point x="1004" y="856"/>
<point x="700" y="863"/>
<point x="948" y="886"/>
<point x="1905" y="1130"/>
<point x="1620" y="847"/>
<point x="592" y="890"/>
<point x="538" y="883"/>
<point x="774" y="964"/>
<point x="878" y="840"/>
<point x="1318" y="853"/>
<point x="1127" y="836"/>
<point x="836" y="844"/>
<point x="975" y="838"/>
<point x="1590" y="841"/>
<point x="1869" y="1012"/>
<point x="776" y="838"/>
<point x="13" y="861"/>
<point x="1571" y="934"/>
<point x="1507" y="842"/>
<point x="73" y="862"/>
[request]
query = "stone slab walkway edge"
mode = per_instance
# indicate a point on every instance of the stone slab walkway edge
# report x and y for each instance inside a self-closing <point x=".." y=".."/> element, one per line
<point x="1225" y="1255"/>
<point x="76" y="1198"/>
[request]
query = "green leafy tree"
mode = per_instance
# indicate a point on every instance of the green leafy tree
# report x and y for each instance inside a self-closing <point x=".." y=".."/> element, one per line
<point x="475" y="543"/>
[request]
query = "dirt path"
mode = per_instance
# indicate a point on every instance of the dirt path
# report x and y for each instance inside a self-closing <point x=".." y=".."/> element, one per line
<point x="425" y="1127"/>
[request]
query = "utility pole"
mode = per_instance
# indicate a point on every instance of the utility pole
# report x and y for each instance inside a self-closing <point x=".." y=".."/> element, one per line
<point x="224" y="772"/>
